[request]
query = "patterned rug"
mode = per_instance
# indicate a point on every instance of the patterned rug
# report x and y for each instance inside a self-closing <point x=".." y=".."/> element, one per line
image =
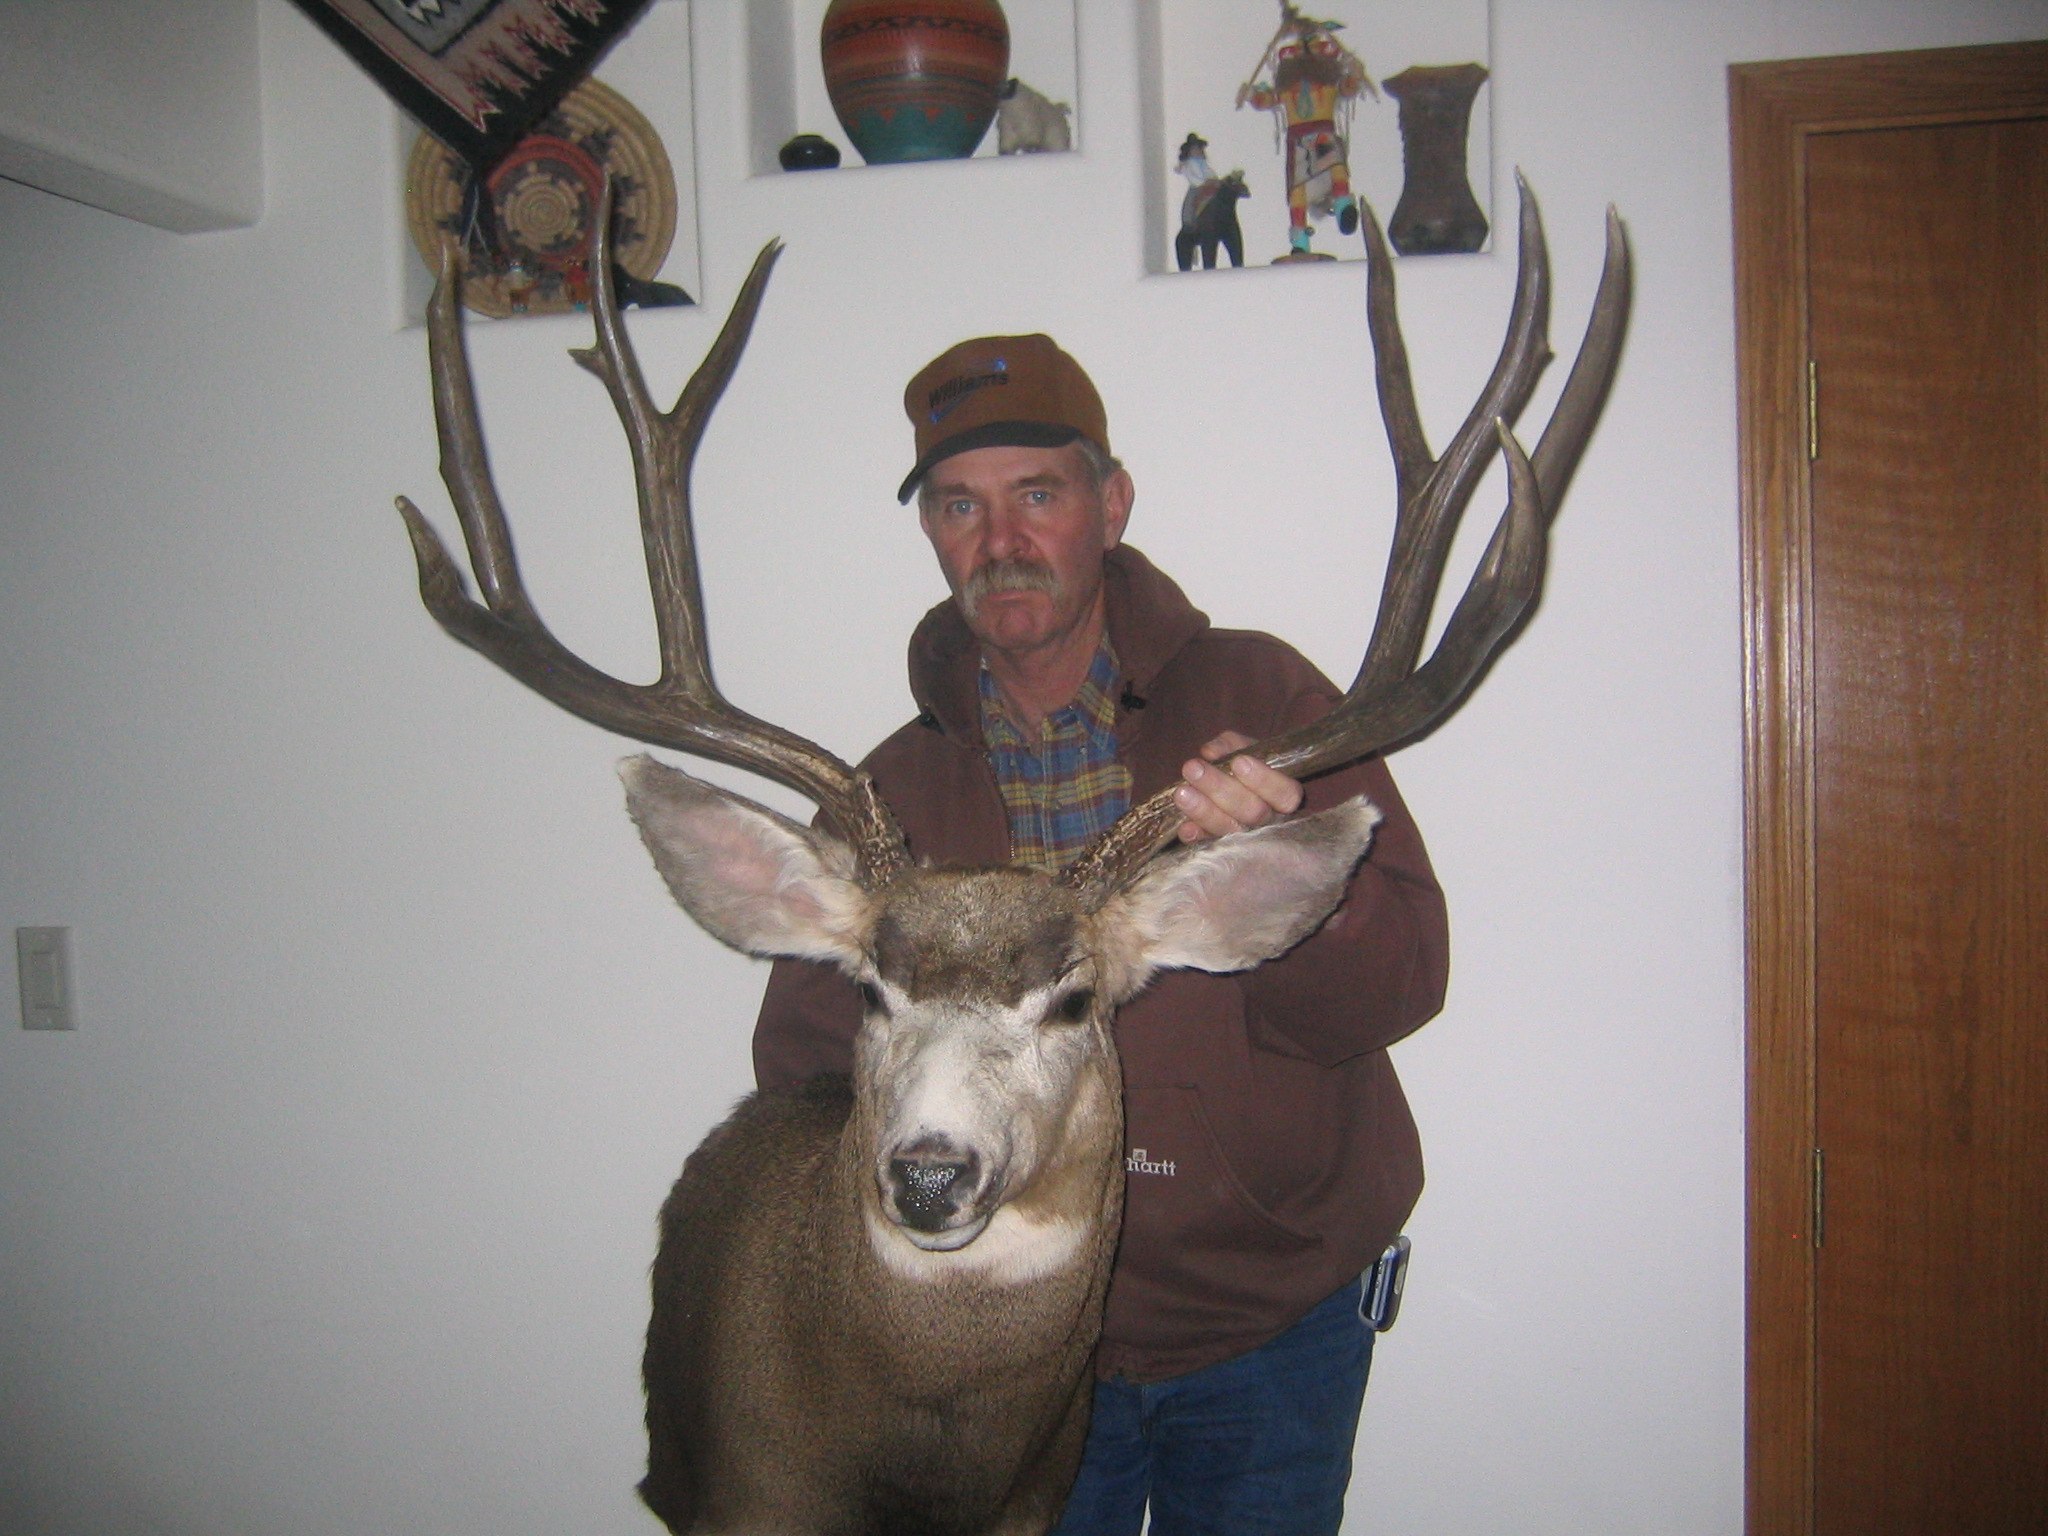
<point x="477" y="74"/>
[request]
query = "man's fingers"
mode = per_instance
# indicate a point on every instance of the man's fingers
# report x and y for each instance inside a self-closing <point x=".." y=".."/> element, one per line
<point x="1234" y="799"/>
<point x="1219" y="800"/>
<point x="1207" y="814"/>
<point x="1279" y="792"/>
<point x="1216" y="750"/>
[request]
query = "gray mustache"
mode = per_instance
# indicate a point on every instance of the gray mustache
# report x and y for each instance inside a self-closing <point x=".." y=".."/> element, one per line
<point x="1007" y="576"/>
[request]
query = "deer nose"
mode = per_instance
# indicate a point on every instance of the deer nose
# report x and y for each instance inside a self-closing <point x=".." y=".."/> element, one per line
<point x="927" y="1183"/>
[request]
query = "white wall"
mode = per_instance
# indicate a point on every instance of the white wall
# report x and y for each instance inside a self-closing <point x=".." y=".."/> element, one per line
<point x="333" y="1215"/>
<point x="148" y="108"/>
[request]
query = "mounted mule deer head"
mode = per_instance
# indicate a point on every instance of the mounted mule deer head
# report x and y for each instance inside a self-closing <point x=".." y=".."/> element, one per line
<point x="875" y="1304"/>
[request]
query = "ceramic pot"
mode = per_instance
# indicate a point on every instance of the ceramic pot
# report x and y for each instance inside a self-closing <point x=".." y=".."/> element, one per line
<point x="1437" y="214"/>
<point x="914" y="79"/>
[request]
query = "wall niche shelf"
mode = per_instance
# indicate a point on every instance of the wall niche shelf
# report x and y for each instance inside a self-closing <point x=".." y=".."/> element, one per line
<point x="786" y="82"/>
<point x="651" y="67"/>
<point x="1194" y="54"/>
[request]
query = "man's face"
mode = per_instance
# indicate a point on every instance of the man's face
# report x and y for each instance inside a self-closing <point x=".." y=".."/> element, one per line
<point x="1020" y="534"/>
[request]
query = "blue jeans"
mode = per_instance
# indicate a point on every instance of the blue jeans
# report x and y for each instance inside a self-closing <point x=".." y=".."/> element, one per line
<point x="1256" y="1446"/>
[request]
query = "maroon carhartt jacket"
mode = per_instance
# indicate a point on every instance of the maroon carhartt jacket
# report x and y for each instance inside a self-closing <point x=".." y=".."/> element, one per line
<point x="1271" y="1153"/>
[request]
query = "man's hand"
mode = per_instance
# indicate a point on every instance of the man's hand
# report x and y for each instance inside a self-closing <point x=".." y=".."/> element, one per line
<point x="1246" y="794"/>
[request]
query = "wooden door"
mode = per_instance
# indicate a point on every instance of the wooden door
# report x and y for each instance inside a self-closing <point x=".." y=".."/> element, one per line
<point x="1893" y="224"/>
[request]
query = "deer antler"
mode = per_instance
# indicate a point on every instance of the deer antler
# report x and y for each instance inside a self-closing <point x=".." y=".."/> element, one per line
<point x="682" y="708"/>
<point x="1393" y="700"/>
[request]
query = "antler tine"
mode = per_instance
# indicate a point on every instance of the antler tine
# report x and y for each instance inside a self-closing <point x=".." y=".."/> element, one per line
<point x="1366" y="720"/>
<point x="465" y="469"/>
<point x="1585" y="388"/>
<point x="1506" y="581"/>
<point x="682" y="709"/>
<point x="1434" y="493"/>
<point x="1392" y="700"/>
<point x="664" y="448"/>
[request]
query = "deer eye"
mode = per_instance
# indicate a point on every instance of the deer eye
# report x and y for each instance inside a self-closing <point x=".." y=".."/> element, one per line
<point x="1073" y="1008"/>
<point x="871" y="998"/>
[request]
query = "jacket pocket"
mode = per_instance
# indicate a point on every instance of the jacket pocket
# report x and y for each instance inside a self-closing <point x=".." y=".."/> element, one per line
<point x="1181" y="1188"/>
<point x="1201" y="1261"/>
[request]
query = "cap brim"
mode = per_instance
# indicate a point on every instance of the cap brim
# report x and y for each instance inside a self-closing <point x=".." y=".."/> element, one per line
<point x="990" y="434"/>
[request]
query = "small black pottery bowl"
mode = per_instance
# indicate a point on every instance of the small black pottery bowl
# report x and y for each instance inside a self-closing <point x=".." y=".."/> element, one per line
<point x="809" y="152"/>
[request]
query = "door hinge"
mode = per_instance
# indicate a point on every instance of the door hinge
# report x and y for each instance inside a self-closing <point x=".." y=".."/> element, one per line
<point x="1820" y="1197"/>
<point x="1812" y="409"/>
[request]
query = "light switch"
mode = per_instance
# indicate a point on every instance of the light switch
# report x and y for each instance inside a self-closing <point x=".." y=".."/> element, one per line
<point x="44" y="957"/>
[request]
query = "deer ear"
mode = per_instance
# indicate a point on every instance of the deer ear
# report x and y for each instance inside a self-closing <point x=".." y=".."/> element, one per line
<point x="751" y="878"/>
<point x="1228" y="904"/>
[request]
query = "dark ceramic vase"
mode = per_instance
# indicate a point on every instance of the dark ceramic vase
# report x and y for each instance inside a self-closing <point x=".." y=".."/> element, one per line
<point x="915" y="79"/>
<point x="1437" y="213"/>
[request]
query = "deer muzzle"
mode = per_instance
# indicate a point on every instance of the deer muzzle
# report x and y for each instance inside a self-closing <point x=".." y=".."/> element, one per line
<point x="931" y="1190"/>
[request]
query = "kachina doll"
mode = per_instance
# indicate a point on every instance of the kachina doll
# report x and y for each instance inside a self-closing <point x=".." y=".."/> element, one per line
<point x="1314" y="85"/>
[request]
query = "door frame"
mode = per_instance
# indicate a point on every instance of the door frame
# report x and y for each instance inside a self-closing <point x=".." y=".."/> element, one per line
<point x="1773" y="109"/>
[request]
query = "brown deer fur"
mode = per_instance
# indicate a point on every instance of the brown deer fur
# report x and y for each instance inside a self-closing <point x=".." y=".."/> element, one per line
<point x="814" y="1363"/>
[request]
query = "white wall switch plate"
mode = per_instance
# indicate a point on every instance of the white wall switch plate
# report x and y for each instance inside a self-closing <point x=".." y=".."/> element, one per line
<point x="44" y="957"/>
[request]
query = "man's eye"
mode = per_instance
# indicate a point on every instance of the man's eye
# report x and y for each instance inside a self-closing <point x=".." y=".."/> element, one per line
<point x="1038" y="498"/>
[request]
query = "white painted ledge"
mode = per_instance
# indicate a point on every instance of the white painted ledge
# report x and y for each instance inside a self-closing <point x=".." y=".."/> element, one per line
<point x="151" y="109"/>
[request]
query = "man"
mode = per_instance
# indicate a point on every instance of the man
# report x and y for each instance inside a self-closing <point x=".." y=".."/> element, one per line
<point x="1271" y="1154"/>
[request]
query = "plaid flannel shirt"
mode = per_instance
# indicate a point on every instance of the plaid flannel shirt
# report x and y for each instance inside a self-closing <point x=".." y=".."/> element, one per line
<point x="1066" y="785"/>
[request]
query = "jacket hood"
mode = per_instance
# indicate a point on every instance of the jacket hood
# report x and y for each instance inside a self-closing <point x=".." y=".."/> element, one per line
<point x="1150" y="620"/>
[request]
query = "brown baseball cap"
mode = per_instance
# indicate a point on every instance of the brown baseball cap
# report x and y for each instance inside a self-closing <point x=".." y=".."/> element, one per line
<point x="1000" y="392"/>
